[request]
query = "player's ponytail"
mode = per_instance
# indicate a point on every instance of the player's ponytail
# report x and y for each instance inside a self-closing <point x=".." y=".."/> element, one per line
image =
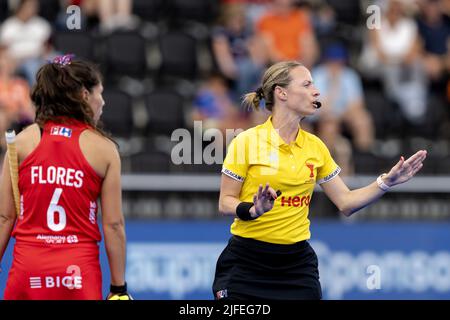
<point x="251" y="101"/>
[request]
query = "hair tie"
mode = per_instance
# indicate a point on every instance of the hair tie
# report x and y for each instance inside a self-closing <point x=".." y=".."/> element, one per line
<point x="63" y="60"/>
<point x="260" y="93"/>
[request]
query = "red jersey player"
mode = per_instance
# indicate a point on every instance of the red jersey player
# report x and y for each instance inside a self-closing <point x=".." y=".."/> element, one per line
<point x="66" y="162"/>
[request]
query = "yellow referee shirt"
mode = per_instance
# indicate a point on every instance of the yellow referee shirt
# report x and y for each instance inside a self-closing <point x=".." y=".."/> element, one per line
<point x="259" y="155"/>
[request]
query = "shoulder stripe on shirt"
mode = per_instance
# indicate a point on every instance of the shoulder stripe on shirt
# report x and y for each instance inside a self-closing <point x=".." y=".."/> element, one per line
<point x="330" y="177"/>
<point x="232" y="175"/>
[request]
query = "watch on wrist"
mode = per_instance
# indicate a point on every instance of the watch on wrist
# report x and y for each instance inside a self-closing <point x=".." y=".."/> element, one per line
<point x="383" y="186"/>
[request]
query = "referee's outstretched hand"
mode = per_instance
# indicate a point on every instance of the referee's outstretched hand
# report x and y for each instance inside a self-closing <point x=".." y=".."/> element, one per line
<point x="263" y="201"/>
<point x="405" y="169"/>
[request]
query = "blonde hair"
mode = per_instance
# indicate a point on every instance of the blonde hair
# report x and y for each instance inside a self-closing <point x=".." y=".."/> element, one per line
<point x="277" y="75"/>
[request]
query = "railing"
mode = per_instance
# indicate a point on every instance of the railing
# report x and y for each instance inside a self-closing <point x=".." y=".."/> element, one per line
<point x="211" y="183"/>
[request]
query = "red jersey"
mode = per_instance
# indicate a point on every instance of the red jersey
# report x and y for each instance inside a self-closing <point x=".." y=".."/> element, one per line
<point x="59" y="190"/>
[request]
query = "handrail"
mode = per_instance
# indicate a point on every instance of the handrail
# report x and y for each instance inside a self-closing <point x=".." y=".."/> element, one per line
<point x="211" y="183"/>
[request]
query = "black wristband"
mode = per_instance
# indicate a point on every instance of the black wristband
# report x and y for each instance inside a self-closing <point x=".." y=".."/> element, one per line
<point x="243" y="211"/>
<point x="118" y="289"/>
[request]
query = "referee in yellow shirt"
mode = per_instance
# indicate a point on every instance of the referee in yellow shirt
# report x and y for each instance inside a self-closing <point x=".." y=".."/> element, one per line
<point x="268" y="255"/>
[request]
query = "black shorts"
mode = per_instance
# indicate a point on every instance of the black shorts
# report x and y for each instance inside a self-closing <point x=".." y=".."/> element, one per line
<point x="252" y="269"/>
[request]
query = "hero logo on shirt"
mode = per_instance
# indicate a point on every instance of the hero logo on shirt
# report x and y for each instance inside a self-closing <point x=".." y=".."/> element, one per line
<point x="61" y="131"/>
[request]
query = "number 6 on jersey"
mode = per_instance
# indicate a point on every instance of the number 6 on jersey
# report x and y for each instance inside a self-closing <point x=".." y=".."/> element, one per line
<point x="55" y="208"/>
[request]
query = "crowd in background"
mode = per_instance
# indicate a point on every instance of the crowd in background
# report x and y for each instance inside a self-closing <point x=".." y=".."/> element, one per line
<point x="374" y="83"/>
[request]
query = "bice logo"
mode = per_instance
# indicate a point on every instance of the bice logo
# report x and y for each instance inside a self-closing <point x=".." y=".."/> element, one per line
<point x="311" y="169"/>
<point x="61" y="131"/>
<point x="71" y="280"/>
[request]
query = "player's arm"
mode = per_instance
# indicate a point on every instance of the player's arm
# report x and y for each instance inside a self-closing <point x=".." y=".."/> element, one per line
<point x="229" y="198"/>
<point x="349" y="201"/>
<point x="112" y="218"/>
<point x="7" y="209"/>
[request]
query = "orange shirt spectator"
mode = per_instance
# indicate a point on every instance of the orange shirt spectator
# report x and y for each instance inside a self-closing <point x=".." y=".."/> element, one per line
<point x="288" y="33"/>
<point x="15" y="99"/>
<point x="285" y="32"/>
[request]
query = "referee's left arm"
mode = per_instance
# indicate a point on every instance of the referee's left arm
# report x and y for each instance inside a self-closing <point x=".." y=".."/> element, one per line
<point x="350" y="201"/>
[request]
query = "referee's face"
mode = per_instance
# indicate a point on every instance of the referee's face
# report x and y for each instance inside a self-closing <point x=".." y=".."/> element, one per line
<point x="301" y="93"/>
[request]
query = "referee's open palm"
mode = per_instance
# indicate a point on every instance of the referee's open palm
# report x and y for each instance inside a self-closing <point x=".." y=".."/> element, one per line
<point x="406" y="169"/>
<point x="264" y="199"/>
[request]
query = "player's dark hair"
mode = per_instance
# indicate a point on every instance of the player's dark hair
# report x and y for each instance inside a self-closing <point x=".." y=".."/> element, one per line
<point x="58" y="92"/>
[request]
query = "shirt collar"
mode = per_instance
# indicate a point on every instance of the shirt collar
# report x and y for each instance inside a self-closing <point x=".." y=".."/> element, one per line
<point x="274" y="136"/>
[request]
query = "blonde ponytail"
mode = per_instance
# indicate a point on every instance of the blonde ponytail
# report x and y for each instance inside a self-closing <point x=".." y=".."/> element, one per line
<point x="251" y="101"/>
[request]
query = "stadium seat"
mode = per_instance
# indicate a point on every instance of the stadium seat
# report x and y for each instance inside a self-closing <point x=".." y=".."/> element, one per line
<point x="125" y="54"/>
<point x="79" y="43"/>
<point x="150" y="161"/>
<point x="178" y="55"/>
<point x="149" y="10"/>
<point x="387" y="119"/>
<point x="203" y="11"/>
<point x="49" y="9"/>
<point x="165" y="111"/>
<point x="442" y="166"/>
<point x="118" y="113"/>
<point x="3" y="10"/>
<point x="348" y="12"/>
<point x="368" y="163"/>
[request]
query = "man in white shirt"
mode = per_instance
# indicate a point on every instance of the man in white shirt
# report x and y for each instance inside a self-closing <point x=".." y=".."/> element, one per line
<point x="25" y="32"/>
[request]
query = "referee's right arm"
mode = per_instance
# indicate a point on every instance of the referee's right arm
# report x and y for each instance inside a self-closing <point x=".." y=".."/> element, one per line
<point x="229" y="195"/>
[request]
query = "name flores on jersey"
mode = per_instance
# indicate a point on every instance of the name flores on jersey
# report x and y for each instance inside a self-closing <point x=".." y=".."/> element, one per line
<point x="57" y="175"/>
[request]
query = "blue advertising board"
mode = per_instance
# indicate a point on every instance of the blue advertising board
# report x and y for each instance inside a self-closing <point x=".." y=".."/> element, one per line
<point x="389" y="260"/>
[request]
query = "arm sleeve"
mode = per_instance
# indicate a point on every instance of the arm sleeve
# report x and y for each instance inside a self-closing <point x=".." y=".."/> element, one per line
<point x="236" y="162"/>
<point x="329" y="170"/>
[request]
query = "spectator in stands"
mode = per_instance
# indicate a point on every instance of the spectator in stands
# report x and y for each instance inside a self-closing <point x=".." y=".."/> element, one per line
<point x="239" y="55"/>
<point x="105" y="15"/>
<point x="31" y="66"/>
<point x="15" y="103"/>
<point x="446" y="7"/>
<point x="288" y="33"/>
<point x="434" y="29"/>
<point x="25" y="32"/>
<point x="394" y="52"/>
<point x="324" y="20"/>
<point x="254" y="10"/>
<point x="215" y="107"/>
<point x="343" y="105"/>
<point x="116" y="14"/>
